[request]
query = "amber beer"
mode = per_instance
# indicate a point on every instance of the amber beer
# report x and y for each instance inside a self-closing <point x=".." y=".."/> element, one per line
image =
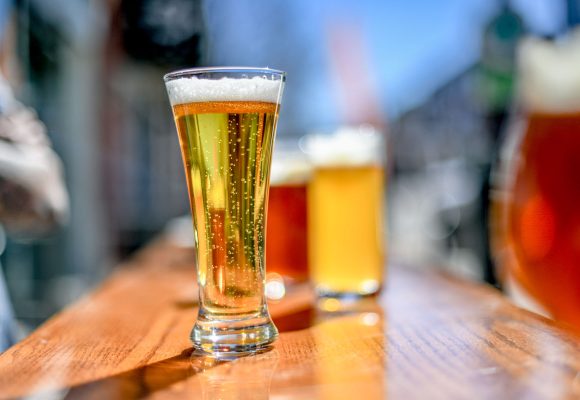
<point x="226" y="130"/>
<point x="287" y="244"/>
<point x="538" y="218"/>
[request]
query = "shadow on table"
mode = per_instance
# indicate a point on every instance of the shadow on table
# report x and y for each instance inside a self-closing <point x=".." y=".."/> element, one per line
<point x="148" y="379"/>
<point x="138" y="382"/>
<point x="189" y="373"/>
<point x="184" y="375"/>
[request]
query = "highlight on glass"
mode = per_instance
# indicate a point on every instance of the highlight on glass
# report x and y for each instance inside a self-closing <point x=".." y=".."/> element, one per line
<point x="226" y="121"/>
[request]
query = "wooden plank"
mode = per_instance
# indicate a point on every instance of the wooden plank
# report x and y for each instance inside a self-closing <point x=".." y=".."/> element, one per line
<point x="430" y="336"/>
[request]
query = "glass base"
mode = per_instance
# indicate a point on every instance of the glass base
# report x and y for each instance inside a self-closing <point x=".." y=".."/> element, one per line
<point x="234" y="337"/>
<point x="341" y="302"/>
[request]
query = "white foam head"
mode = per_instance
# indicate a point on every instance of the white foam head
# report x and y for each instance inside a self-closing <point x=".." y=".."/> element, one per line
<point x="349" y="146"/>
<point x="198" y="90"/>
<point x="289" y="169"/>
<point x="550" y="74"/>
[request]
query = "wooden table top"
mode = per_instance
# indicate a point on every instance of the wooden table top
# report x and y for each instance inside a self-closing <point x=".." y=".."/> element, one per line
<point x="429" y="336"/>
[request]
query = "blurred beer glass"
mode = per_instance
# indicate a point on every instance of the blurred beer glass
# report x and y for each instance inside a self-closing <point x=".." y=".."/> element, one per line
<point x="226" y="121"/>
<point x="286" y="247"/>
<point x="535" y="216"/>
<point x="345" y="210"/>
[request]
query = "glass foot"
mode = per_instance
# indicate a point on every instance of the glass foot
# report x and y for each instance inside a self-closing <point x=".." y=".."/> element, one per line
<point x="345" y="302"/>
<point x="233" y="338"/>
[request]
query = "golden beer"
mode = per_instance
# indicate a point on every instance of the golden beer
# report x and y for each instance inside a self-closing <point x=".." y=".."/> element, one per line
<point x="345" y="216"/>
<point x="227" y="149"/>
<point x="346" y="235"/>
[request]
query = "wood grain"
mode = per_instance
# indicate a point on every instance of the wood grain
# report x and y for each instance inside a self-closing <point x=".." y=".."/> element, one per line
<point x="428" y="336"/>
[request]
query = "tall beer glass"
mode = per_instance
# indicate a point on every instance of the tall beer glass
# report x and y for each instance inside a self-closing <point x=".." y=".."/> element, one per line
<point x="226" y="121"/>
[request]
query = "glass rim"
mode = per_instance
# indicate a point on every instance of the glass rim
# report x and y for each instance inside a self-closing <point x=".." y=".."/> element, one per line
<point x="201" y="70"/>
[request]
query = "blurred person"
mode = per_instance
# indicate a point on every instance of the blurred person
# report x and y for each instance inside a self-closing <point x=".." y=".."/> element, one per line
<point x="33" y="197"/>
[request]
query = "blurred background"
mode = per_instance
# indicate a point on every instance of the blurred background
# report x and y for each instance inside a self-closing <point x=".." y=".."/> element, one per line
<point x="437" y="76"/>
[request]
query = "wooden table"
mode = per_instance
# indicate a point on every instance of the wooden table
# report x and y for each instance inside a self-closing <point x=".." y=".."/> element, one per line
<point x="430" y="336"/>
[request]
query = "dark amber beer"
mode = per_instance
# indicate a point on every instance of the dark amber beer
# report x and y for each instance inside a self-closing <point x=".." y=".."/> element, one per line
<point x="541" y="215"/>
<point x="536" y="213"/>
<point x="226" y="121"/>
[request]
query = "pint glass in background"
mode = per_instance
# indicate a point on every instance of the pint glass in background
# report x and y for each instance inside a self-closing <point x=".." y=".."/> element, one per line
<point x="345" y="209"/>
<point x="287" y="244"/>
<point x="226" y="121"/>
<point x="536" y="199"/>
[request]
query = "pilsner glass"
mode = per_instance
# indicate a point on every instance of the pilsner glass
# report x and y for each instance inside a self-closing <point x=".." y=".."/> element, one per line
<point x="226" y="121"/>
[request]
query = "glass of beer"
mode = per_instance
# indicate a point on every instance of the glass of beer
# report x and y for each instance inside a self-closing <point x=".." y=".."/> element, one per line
<point x="345" y="209"/>
<point x="286" y="248"/>
<point x="535" y="217"/>
<point x="226" y="121"/>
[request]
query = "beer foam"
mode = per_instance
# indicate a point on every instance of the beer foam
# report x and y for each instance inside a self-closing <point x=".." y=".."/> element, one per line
<point x="550" y="74"/>
<point x="346" y="147"/>
<point x="198" y="90"/>
<point x="289" y="171"/>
